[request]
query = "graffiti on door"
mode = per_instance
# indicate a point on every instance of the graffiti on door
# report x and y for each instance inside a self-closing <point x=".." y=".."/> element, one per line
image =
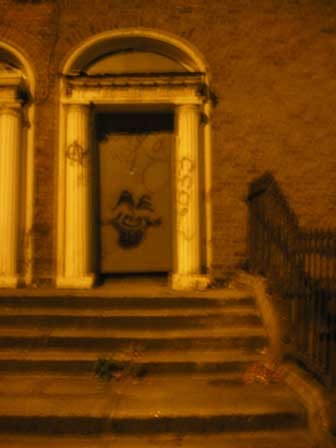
<point x="132" y="217"/>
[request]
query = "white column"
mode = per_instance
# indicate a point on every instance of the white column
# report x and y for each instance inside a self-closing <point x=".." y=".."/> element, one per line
<point x="78" y="263"/>
<point x="208" y="185"/>
<point x="187" y="257"/>
<point x="10" y="143"/>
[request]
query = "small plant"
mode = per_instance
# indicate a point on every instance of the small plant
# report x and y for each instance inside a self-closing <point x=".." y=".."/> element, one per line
<point x="106" y="368"/>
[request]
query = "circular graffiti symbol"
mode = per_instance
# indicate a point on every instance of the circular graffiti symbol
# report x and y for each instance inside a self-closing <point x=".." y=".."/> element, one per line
<point x="76" y="153"/>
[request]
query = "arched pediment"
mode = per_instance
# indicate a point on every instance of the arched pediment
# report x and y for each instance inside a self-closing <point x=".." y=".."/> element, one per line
<point x="134" y="61"/>
<point x="8" y="60"/>
<point x="13" y="64"/>
<point x="9" y="69"/>
<point x="14" y="84"/>
<point x="171" y="52"/>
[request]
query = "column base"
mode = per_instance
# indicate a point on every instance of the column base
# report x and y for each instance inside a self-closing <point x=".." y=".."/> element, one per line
<point x="185" y="282"/>
<point x="9" y="281"/>
<point x="85" y="282"/>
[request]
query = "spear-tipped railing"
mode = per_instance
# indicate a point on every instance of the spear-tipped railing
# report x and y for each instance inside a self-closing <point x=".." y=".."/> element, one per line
<point x="300" y="265"/>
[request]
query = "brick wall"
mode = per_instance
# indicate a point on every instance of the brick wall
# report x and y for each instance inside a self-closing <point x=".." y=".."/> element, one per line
<point x="273" y="69"/>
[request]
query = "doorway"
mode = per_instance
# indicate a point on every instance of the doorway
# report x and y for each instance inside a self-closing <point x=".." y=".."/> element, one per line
<point x="108" y="73"/>
<point x="134" y="156"/>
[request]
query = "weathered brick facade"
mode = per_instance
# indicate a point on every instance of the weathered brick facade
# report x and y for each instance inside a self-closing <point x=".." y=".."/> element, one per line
<point x="273" y="69"/>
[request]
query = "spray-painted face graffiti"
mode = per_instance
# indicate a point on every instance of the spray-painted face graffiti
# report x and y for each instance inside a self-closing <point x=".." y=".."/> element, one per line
<point x="132" y="219"/>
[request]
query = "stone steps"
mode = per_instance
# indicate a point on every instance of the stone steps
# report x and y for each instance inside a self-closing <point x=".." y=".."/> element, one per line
<point x="168" y="361"/>
<point x="148" y="302"/>
<point x="102" y="340"/>
<point x="257" y="439"/>
<point x="144" y="321"/>
<point x="131" y="311"/>
<point x="177" y="378"/>
<point x="68" y="405"/>
<point x="210" y="348"/>
<point x="229" y="331"/>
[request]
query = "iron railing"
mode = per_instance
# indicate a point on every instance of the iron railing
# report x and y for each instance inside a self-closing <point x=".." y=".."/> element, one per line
<point x="300" y="265"/>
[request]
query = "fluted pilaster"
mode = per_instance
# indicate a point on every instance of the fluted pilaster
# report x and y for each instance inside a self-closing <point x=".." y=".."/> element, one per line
<point x="187" y="215"/>
<point x="10" y="142"/>
<point x="78" y="203"/>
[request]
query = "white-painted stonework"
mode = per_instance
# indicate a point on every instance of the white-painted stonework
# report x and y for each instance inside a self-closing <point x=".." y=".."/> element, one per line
<point x="78" y="204"/>
<point x="10" y="139"/>
<point x="16" y="168"/>
<point x="180" y="93"/>
<point x="187" y="225"/>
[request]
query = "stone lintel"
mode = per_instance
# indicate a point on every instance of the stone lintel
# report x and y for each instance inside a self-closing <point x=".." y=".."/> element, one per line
<point x="127" y="80"/>
<point x="187" y="89"/>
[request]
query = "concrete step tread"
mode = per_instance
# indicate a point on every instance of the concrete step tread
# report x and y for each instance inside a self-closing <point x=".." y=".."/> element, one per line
<point x="126" y="289"/>
<point x="29" y="382"/>
<point x="24" y="383"/>
<point x="257" y="439"/>
<point x="126" y="303"/>
<point x="149" y="397"/>
<point x="129" y="312"/>
<point x="230" y="331"/>
<point x="134" y="354"/>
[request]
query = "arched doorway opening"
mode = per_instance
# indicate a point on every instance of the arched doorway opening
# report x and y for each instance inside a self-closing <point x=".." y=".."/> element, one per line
<point x="16" y="167"/>
<point x="132" y="105"/>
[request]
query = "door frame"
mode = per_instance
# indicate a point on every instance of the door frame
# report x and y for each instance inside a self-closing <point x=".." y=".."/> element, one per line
<point x="188" y="95"/>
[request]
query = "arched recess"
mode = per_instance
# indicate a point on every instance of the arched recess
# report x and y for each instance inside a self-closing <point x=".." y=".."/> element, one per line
<point x="17" y="88"/>
<point x="135" y="69"/>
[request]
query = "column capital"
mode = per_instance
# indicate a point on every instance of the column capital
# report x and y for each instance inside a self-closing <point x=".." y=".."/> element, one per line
<point x="11" y="108"/>
<point x="80" y="107"/>
<point x="192" y="107"/>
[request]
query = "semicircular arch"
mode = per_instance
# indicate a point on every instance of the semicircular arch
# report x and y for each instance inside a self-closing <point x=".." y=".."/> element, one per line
<point x="140" y="39"/>
<point x="10" y="55"/>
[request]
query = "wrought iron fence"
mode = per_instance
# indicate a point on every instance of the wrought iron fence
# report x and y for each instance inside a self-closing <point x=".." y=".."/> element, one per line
<point x="300" y="265"/>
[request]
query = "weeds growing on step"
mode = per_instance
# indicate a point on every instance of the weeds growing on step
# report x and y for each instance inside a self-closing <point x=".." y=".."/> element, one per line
<point x="108" y="368"/>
